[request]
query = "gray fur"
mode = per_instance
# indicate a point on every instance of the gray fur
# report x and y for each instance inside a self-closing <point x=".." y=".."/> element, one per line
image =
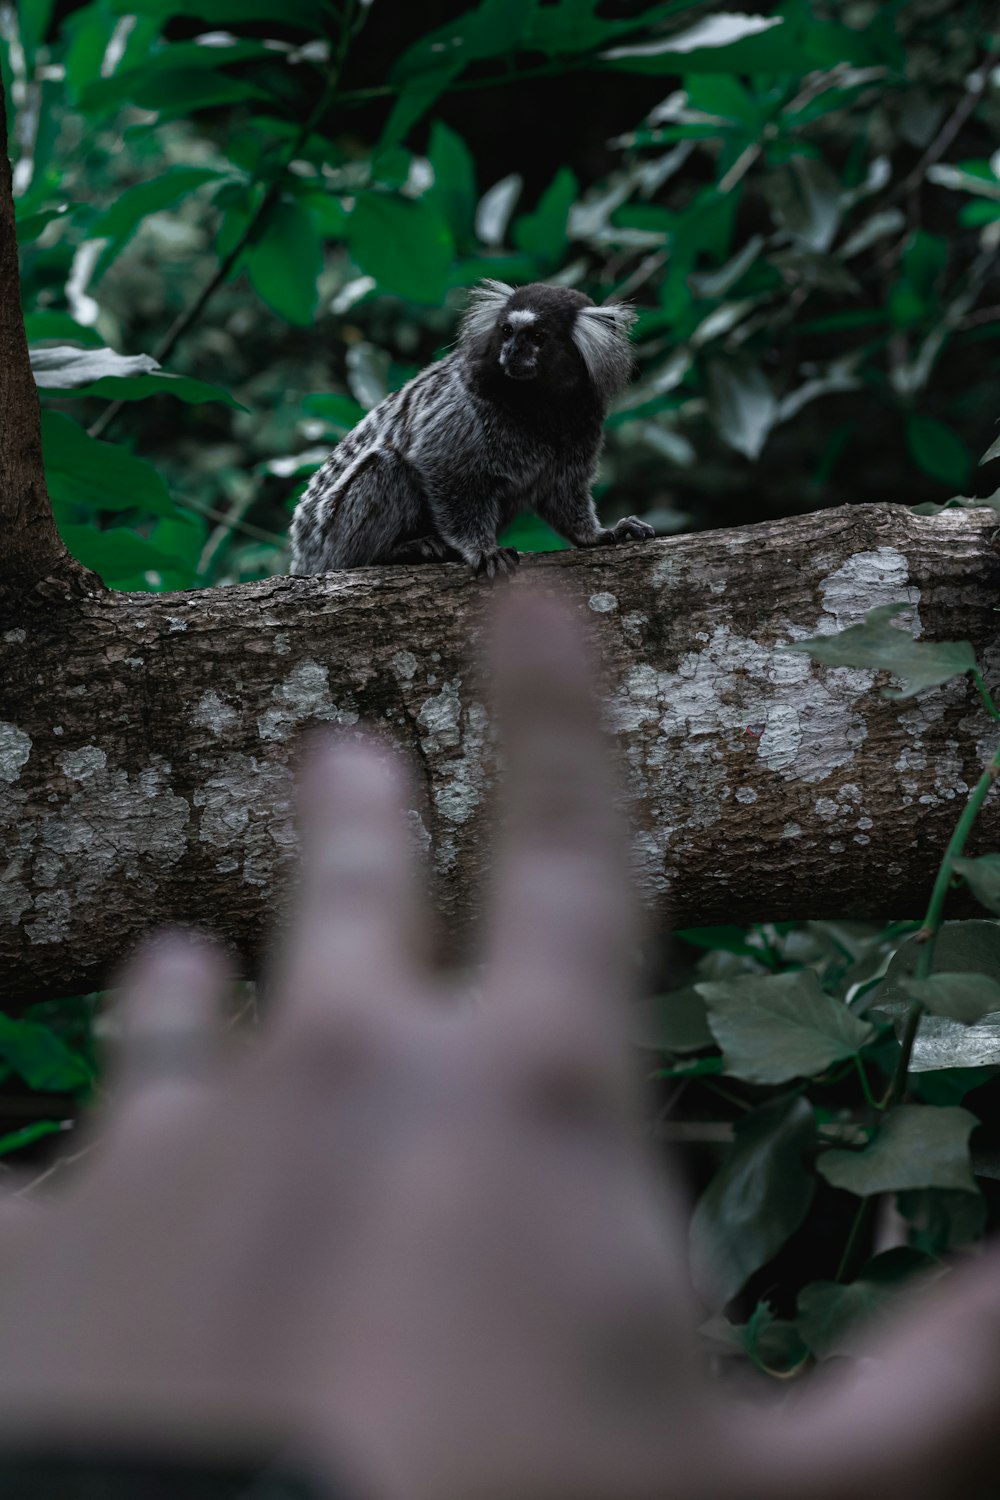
<point x="511" y="421"/>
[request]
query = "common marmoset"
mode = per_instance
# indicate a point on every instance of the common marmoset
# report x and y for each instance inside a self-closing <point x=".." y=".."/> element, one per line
<point x="510" y="421"/>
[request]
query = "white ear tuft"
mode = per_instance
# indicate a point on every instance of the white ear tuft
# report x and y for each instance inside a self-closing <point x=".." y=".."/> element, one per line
<point x="601" y="336"/>
<point x="487" y="301"/>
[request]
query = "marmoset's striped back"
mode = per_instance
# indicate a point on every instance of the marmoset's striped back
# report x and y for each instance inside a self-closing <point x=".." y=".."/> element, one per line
<point x="512" y="420"/>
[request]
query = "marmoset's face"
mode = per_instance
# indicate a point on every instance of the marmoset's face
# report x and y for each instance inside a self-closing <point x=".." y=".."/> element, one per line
<point x="522" y="341"/>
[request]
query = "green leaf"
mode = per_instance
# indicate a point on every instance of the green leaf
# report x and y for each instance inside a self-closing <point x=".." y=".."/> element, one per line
<point x="492" y="29"/>
<point x="962" y="997"/>
<point x="63" y="368"/>
<point x="169" y="90"/>
<point x="568" y="26"/>
<point x="938" y="450"/>
<point x="16" y="1140"/>
<point x="915" y="1146"/>
<point x="982" y="876"/>
<point x="454" y="189"/>
<point x="33" y="23"/>
<point x="724" y="939"/>
<point x="676" y="1022"/>
<point x="772" y="1344"/>
<point x="307" y="14"/>
<point x="81" y="470"/>
<point x="41" y="1058"/>
<point x="971" y="947"/>
<point x="414" y="102"/>
<point x="285" y="262"/>
<point x="58" y="325"/>
<point x="744" y="406"/>
<point x="117" y="556"/>
<point x="31" y="225"/>
<point x="756" y="1200"/>
<point x="777" y="1027"/>
<point x="723" y="43"/>
<point x="117" y="377"/>
<point x="119" y="222"/>
<point x="837" y="1320"/>
<point x="529" y="533"/>
<point x="406" y="246"/>
<point x="340" y="410"/>
<point x="876" y="643"/>
<point x="941" y="1221"/>
<point x="139" y="387"/>
<point x="543" y="233"/>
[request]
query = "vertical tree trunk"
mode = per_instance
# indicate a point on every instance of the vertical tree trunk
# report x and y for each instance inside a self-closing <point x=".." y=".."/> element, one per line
<point x="33" y="559"/>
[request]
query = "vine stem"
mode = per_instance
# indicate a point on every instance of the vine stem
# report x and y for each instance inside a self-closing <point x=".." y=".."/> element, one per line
<point x="349" y="27"/>
<point x="927" y="937"/>
<point x="928" y="934"/>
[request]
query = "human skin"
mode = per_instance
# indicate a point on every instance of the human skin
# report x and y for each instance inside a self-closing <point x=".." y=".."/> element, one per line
<point x="416" y="1236"/>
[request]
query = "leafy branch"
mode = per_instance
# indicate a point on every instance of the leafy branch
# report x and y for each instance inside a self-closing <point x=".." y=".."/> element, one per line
<point x="350" y="23"/>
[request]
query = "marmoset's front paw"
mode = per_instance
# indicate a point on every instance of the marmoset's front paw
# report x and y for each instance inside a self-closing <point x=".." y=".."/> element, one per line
<point x="500" y="563"/>
<point x="423" y="549"/>
<point x="628" y="529"/>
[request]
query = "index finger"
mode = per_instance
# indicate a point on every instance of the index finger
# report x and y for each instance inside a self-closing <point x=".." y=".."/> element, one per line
<point x="563" y="920"/>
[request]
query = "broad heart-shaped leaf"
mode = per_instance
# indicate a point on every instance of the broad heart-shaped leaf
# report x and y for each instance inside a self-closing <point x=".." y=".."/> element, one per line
<point x="915" y="1146"/>
<point x="780" y="1026"/>
<point x="876" y="643"/>
<point x="41" y="1058"/>
<point x="836" y="1319"/>
<point x="982" y="876"/>
<point x="961" y="997"/>
<point x="285" y="262"/>
<point x="756" y="1200"/>
<point x="84" y="471"/>
<point x="62" y="368"/>
<point x="970" y="947"/>
<point x="406" y="246"/>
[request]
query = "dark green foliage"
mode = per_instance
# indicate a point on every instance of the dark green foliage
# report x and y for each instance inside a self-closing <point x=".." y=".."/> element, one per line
<point x="876" y="643"/>
<point x="781" y="1026"/>
<point x="810" y="251"/>
<point x="913" y="1147"/>
<point x="757" y="1198"/>
<point x="810" y="269"/>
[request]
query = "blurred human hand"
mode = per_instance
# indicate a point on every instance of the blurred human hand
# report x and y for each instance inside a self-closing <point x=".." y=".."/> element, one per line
<point x="420" y="1238"/>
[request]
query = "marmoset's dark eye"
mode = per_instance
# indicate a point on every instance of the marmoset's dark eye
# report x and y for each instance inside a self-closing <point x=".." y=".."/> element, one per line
<point x="506" y="330"/>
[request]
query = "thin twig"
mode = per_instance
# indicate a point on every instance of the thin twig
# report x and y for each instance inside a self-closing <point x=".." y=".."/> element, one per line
<point x="227" y="525"/>
<point x="247" y="527"/>
<point x="258" y="219"/>
<point x="951" y="127"/>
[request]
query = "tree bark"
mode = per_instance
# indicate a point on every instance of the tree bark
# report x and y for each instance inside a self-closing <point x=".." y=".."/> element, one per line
<point x="148" y="743"/>
<point x="35" y="567"/>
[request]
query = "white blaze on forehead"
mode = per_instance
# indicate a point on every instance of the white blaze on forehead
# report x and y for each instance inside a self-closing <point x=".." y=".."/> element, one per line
<point x="519" y="316"/>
